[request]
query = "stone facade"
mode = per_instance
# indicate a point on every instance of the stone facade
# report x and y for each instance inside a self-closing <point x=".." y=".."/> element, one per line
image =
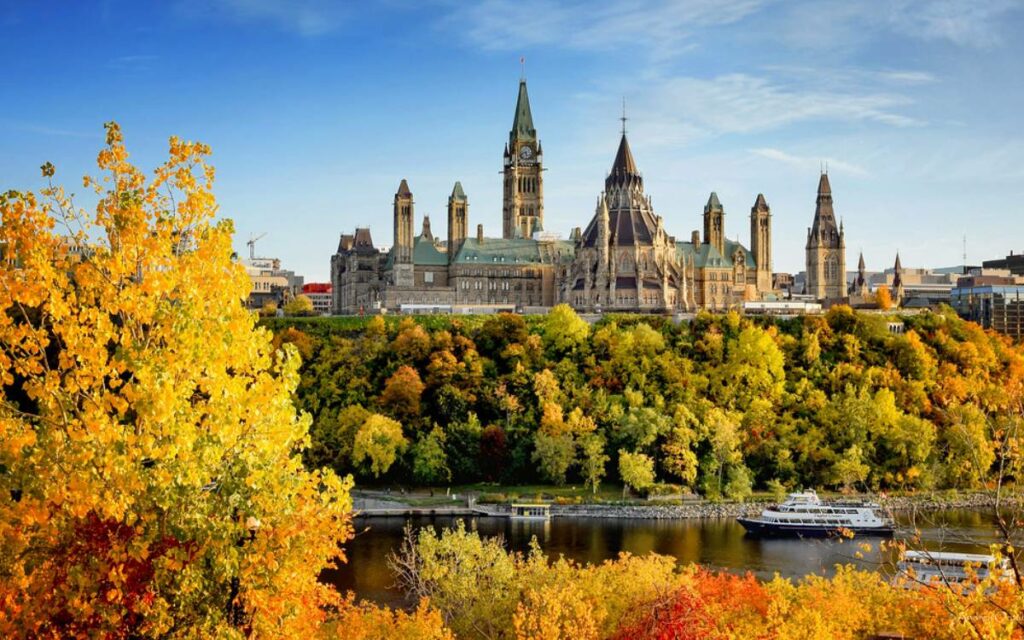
<point x="826" y="250"/>
<point x="625" y="259"/>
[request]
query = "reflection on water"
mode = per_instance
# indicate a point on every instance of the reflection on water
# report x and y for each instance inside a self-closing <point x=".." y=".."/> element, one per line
<point x="714" y="543"/>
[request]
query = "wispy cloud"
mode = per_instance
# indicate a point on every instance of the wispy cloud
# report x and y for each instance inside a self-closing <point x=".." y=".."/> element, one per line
<point x="307" y="18"/>
<point x="662" y="26"/>
<point x="807" y="164"/>
<point x="675" y="109"/>
<point x="967" y="24"/>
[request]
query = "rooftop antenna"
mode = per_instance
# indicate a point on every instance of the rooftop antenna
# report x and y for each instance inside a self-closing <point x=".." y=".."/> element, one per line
<point x="623" y="118"/>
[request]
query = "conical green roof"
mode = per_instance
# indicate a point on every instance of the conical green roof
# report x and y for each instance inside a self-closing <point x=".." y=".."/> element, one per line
<point x="457" y="192"/>
<point x="522" y="124"/>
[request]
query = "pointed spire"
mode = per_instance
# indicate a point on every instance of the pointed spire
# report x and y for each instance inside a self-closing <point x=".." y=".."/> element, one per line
<point x="457" y="192"/>
<point x="860" y="263"/>
<point x="898" y="268"/>
<point x="522" y="123"/>
<point x="624" y="168"/>
<point x="824" y="188"/>
<point x="403" y="189"/>
<point x="713" y="203"/>
<point x="760" y="204"/>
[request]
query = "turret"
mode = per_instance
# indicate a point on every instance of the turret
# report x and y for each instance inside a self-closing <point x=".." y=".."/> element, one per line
<point x="458" y="220"/>
<point x="761" y="242"/>
<point x="714" y="223"/>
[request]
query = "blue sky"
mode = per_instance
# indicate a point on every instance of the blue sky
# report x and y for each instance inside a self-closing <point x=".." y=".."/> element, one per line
<point x="316" y="110"/>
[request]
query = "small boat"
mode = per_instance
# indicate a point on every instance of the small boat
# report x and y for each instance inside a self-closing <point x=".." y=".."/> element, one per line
<point x="804" y="514"/>
<point x="943" y="567"/>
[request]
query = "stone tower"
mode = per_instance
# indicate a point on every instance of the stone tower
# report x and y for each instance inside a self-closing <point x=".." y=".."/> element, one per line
<point x="458" y="220"/>
<point x="859" y="287"/>
<point x="761" y="242"/>
<point x="523" y="200"/>
<point x="826" y="249"/>
<point x="897" y="282"/>
<point x="714" y="224"/>
<point x="402" y="249"/>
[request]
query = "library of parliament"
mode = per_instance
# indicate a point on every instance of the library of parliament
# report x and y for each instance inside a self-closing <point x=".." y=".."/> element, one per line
<point x="623" y="260"/>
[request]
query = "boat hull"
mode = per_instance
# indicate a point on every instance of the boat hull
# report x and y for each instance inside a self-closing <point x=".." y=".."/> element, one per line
<point x="756" y="527"/>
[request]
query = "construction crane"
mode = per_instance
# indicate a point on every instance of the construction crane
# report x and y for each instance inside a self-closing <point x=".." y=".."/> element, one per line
<point x="252" y="244"/>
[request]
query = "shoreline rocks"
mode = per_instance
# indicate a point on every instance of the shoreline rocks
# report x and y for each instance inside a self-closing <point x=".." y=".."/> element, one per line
<point x="709" y="510"/>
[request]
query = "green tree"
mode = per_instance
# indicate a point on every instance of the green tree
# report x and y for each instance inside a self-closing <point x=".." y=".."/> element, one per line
<point x="564" y="331"/>
<point x="379" y="442"/>
<point x="429" y="462"/>
<point x="969" y="448"/>
<point x="636" y="471"/>
<point x="554" y="454"/>
<point x="593" y="460"/>
<point x="678" y="456"/>
<point x="850" y="468"/>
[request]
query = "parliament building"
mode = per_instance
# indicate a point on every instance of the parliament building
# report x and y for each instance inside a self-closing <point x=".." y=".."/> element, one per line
<point x="624" y="259"/>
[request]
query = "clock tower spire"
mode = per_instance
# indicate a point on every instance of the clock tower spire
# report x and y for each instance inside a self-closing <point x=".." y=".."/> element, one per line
<point x="523" y="196"/>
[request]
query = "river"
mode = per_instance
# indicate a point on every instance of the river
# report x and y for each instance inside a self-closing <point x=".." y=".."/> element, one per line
<point x="714" y="543"/>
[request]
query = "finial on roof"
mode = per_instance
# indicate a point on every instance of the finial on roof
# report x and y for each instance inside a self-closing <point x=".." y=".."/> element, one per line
<point x="522" y="67"/>
<point x="623" y="118"/>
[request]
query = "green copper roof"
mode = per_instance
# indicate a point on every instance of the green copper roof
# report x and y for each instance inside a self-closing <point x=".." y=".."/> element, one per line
<point x="705" y="255"/>
<point x="713" y="203"/>
<point x="522" y="124"/>
<point x="515" y="251"/>
<point x="424" y="253"/>
<point x="457" y="192"/>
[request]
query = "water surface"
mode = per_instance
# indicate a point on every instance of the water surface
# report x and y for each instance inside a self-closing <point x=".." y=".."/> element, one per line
<point x="714" y="543"/>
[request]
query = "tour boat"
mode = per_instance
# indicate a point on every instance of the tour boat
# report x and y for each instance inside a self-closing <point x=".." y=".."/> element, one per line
<point x="804" y="514"/>
<point x="944" y="567"/>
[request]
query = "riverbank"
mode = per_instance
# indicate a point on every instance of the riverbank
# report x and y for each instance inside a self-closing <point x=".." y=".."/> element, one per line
<point x="377" y="505"/>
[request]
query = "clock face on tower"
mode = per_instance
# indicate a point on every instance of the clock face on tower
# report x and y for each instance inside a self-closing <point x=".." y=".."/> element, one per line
<point x="526" y="153"/>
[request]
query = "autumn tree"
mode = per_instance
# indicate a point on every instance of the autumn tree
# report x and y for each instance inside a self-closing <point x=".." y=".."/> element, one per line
<point x="402" y="392"/>
<point x="378" y="443"/>
<point x="636" y="470"/>
<point x="592" y="460"/>
<point x="299" y="305"/>
<point x="151" y="476"/>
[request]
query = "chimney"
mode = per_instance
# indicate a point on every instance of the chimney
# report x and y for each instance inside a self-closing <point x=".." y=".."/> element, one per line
<point x="695" y="238"/>
<point x="479" y="234"/>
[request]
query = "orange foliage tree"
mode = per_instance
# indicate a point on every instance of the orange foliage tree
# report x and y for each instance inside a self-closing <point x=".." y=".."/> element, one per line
<point x="150" y="479"/>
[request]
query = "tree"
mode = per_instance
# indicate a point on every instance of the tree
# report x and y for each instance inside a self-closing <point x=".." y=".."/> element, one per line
<point x="725" y="442"/>
<point x="300" y="305"/>
<point x="850" y="469"/>
<point x="564" y="331"/>
<point x="402" y="392"/>
<point x="493" y="452"/>
<point x="429" y="462"/>
<point x="636" y="470"/>
<point x="379" y="441"/>
<point x="554" y="453"/>
<point x="593" y="459"/>
<point x="883" y="298"/>
<point x="150" y="446"/>
<point x="269" y="309"/>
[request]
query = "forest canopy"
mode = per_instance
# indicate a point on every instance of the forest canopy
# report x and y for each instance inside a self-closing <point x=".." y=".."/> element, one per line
<point x="722" y="404"/>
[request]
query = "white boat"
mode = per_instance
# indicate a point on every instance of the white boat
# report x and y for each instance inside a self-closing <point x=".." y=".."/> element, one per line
<point x="944" y="567"/>
<point x="804" y="514"/>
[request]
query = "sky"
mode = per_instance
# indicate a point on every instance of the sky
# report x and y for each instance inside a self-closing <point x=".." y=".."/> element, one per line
<point x="316" y="110"/>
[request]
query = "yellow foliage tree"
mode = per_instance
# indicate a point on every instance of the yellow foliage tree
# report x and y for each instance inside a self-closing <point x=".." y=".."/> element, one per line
<point x="300" y="305"/>
<point x="151" y="482"/>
